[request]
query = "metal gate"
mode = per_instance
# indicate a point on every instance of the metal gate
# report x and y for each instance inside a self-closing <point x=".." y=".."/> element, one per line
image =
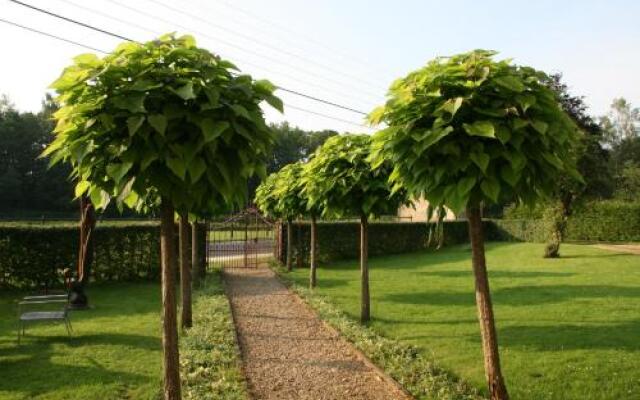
<point x="243" y="240"/>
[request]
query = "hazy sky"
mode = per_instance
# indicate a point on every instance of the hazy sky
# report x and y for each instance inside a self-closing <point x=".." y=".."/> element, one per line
<point x="344" y="51"/>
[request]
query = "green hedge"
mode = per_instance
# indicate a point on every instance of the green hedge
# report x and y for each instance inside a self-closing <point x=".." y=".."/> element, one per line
<point x="32" y="255"/>
<point x="601" y="221"/>
<point x="341" y="240"/>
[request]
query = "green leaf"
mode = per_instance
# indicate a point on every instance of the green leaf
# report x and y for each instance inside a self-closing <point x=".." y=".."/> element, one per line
<point x="81" y="188"/>
<point x="211" y="130"/>
<point x="134" y="123"/>
<point x="509" y="175"/>
<point x="540" y="126"/>
<point x="118" y="170"/>
<point x="275" y="102"/>
<point x="158" y="122"/>
<point x="503" y="134"/>
<point x="177" y="166"/>
<point x="480" y="128"/>
<point x="87" y="60"/>
<point x="239" y="110"/>
<point x="510" y="82"/>
<point x="132" y="102"/>
<point x="491" y="188"/>
<point x="465" y="185"/>
<point x="185" y="92"/>
<point x="197" y="167"/>
<point x="452" y="105"/>
<point x="481" y="160"/>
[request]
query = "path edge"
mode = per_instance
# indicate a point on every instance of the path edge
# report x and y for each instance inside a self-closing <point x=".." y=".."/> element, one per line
<point x="363" y="357"/>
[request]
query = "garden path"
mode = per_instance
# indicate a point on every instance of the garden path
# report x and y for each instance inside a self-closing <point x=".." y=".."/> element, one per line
<point x="289" y="353"/>
<point x="625" y="248"/>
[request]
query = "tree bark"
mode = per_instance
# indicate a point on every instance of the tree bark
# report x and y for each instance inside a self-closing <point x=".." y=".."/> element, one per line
<point x="493" y="374"/>
<point x="171" y="355"/>
<point x="196" y="268"/>
<point x="365" y="306"/>
<point x="312" y="257"/>
<point x="289" y="244"/>
<point x="186" y="319"/>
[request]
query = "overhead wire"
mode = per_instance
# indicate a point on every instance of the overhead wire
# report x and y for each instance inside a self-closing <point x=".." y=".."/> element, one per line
<point x="60" y="38"/>
<point x="100" y="30"/>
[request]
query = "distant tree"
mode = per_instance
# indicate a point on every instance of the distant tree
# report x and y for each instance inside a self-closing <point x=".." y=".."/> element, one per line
<point x="163" y="125"/>
<point x="592" y="162"/>
<point x="622" y="122"/>
<point x="467" y="130"/>
<point x="341" y="181"/>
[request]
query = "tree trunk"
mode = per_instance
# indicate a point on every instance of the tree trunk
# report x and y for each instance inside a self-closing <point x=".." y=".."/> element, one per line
<point x="77" y="296"/>
<point x="186" y="320"/>
<point x="196" y="268"/>
<point x="313" y="261"/>
<point x="289" y="244"/>
<point x="497" y="388"/>
<point x="365" y="313"/>
<point x="557" y="216"/>
<point x="171" y="356"/>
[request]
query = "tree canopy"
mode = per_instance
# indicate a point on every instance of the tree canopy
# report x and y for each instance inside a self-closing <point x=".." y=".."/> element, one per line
<point x="467" y="129"/>
<point x="340" y="180"/>
<point x="161" y="119"/>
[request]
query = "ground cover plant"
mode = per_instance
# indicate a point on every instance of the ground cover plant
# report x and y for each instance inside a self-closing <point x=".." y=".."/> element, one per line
<point x="569" y="327"/>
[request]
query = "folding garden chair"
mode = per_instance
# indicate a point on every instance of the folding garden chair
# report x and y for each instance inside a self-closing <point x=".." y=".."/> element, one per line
<point x="49" y="315"/>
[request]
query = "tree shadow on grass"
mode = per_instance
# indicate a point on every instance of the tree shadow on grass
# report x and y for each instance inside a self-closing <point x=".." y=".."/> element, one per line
<point x="622" y="336"/>
<point x="30" y="369"/>
<point x="498" y="274"/>
<point x="515" y="296"/>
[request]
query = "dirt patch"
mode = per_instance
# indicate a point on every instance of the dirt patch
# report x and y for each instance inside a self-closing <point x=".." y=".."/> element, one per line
<point x="622" y="248"/>
<point x="288" y="353"/>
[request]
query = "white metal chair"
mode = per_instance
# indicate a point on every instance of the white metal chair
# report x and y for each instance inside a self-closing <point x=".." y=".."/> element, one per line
<point x="35" y="316"/>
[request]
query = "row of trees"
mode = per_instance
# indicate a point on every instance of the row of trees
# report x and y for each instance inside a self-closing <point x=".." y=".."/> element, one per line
<point x="462" y="132"/>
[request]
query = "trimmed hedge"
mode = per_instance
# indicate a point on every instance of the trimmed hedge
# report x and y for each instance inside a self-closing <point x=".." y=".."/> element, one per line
<point x="602" y="221"/>
<point x="341" y="240"/>
<point x="32" y="255"/>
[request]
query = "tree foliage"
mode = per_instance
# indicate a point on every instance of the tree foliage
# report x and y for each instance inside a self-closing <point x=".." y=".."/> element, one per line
<point x="468" y="129"/>
<point x="281" y="194"/>
<point x="161" y="119"/>
<point x="341" y="180"/>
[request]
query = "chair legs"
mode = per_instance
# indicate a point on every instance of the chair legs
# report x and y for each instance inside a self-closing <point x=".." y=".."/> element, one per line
<point x="67" y="322"/>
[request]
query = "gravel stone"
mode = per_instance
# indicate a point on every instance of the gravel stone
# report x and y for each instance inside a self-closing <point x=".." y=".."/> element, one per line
<point x="289" y="353"/>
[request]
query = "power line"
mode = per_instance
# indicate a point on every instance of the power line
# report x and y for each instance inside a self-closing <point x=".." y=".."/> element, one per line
<point x="343" y="55"/>
<point x="70" y="20"/>
<point x="52" y="36"/>
<point x="241" y="48"/>
<point x="259" y="42"/>
<point x="288" y="105"/>
<point x="88" y="26"/>
<point x="323" y="88"/>
<point x="326" y="116"/>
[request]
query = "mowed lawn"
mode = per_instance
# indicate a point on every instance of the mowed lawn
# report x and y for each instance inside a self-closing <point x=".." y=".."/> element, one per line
<point x="115" y="352"/>
<point x="568" y="328"/>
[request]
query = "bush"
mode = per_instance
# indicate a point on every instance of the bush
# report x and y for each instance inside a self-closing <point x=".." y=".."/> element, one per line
<point x="210" y="358"/>
<point x="33" y="255"/>
<point x="605" y="221"/>
<point x="341" y="240"/>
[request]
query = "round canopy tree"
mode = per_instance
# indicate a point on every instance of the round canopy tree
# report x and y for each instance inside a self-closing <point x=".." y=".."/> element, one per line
<point x="162" y="124"/>
<point x="340" y="180"/>
<point x="468" y="130"/>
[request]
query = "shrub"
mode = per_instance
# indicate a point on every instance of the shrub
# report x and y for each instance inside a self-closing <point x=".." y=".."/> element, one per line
<point x="32" y="255"/>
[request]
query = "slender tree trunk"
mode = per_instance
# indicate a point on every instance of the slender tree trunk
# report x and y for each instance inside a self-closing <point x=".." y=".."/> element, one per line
<point x="171" y="356"/>
<point x="365" y="313"/>
<point x="313" y="255"/>
<point x="497" y="388"/>
<point x="557" y="216"/>
<point x="196" y="268"/>
<point x="186" y="320"/>
<point x="289" y="244"/>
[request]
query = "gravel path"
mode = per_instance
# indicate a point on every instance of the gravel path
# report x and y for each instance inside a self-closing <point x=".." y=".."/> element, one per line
<point x="624" y="248"/>
<point x="288" y="353"/>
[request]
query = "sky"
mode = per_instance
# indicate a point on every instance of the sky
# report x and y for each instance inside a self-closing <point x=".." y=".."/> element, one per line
<point x="342" y="51"/>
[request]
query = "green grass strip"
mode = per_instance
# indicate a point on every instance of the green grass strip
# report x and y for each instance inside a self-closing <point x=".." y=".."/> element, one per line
<point x="419" y="376"/>
<point x="209" y="353"/>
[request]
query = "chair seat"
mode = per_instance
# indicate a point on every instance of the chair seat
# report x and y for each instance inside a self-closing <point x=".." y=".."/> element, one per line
<point x="42" y="315"/>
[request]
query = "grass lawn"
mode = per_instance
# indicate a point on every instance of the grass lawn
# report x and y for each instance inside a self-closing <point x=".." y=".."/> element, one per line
<point x="568" y="328"/>
<point x="114" y="354"/>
